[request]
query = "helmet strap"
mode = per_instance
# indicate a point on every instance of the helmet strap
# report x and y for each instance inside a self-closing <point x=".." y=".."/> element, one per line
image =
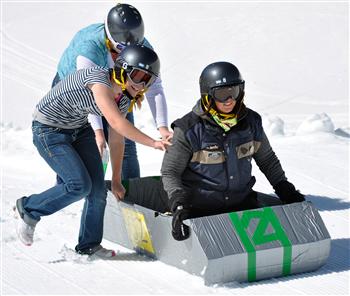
<point x="122" y="81"/>
<point x="133" y="100"/>
<point x="108" y="44"/>
<point x="137" y="101"/>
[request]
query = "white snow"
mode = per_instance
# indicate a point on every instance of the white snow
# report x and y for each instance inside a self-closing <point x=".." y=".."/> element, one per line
<point x="294" y="58"/>
<point x="316" y="123"/>
<point x="273" y="125"/>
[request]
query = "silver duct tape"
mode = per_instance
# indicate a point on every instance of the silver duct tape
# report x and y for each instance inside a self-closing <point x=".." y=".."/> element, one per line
<point x="216" y="250"/>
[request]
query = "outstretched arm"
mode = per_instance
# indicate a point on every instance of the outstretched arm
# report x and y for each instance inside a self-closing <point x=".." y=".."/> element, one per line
<point x="116" y="147"/>
<point x="104" y="100"/>
<point x="156" y="99"/>
<point x="270" y="165"/>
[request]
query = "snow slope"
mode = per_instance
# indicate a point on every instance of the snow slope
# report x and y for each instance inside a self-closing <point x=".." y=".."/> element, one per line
<point x="294" y="58"/>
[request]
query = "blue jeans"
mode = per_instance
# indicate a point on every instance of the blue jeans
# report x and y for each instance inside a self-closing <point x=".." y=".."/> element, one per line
<point x="131" y="167"/>
<point x="74" y="156"/>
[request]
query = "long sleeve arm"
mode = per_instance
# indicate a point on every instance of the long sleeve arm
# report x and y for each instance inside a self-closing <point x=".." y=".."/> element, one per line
<point x="156" y="99"/>
<point x="174" y="164"/>
<point x="268" y="162"/>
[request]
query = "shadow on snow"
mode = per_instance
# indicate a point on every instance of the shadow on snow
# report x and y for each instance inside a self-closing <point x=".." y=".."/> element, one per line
<point x="324" y="203"/>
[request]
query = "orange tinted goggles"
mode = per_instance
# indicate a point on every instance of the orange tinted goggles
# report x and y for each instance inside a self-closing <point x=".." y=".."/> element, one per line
<point x="138" y="76"/>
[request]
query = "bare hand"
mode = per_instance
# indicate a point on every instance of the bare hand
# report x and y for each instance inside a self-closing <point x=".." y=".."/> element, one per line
<point x="118" y="190"/>
<point x="165" y="133"/>
<point x="161" y="145"/>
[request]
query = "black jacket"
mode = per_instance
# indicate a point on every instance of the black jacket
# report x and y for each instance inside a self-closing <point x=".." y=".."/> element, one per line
<point x="211" y="168"/>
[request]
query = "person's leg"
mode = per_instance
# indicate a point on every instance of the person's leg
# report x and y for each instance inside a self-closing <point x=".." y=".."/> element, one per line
<point x="149" y="193"/>
<point x="91" y="224"/>
<point x="250" y="202"/>
<point x="131" y="167"/>
<point x="55" y="146"/>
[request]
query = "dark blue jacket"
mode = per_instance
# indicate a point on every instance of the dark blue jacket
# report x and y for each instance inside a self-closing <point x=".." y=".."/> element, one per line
<point x="213" y="168"/>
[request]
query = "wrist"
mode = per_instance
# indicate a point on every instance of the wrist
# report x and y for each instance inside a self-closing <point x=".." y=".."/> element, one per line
<point x="163" y="129"/>
<point x="99" y="131"/>
<point x="116" y="178"/>
<point x="177" y="202"/>
<point x="154" y="144"/>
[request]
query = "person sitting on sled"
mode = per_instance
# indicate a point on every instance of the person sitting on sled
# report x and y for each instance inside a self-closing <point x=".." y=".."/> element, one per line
<point x="208" y="168"/>
<point x="65" y="139"/>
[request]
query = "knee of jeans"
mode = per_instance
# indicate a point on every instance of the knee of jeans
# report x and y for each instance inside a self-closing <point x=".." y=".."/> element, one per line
<point x="98" y="198"/>
<point x="99" y="192"/>
<point x="80" y="188"/>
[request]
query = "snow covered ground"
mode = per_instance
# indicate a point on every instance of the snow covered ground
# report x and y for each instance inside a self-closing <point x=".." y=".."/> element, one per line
<point x="294" y="58"/>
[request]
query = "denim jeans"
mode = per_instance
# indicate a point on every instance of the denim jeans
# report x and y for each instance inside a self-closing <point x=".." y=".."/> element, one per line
<point x="131" y="167"/>
<point x="74" y="156"/>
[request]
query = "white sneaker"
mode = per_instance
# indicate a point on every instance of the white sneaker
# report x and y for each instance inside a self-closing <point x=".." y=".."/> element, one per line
<point x="25" y="232"/>
<point x="103" y="253"/>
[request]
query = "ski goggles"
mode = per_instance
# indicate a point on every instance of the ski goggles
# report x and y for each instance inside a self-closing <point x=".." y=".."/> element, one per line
<point x="138" y="76"/>
<point x="222" y="94"/>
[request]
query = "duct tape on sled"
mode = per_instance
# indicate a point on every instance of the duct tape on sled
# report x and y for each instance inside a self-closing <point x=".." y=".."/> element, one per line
<point x="240" y="246"/>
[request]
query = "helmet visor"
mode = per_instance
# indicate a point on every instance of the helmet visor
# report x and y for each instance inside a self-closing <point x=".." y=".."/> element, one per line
<point x="138" y="76"/>
<point x="222" y="94"/>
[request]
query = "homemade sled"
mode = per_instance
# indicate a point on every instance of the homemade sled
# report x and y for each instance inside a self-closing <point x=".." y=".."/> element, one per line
<point x="239" y="246"/>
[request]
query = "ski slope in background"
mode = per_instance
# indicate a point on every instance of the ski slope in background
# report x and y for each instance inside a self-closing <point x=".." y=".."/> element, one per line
<point x="294" y="58"/>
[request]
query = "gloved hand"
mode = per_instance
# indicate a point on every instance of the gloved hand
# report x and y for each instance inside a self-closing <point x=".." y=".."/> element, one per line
<point x="287" y="192"/>
<point x="180" y="231"/>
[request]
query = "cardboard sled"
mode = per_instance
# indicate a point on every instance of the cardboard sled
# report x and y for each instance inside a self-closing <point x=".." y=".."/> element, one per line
<point x="239" y="246"/>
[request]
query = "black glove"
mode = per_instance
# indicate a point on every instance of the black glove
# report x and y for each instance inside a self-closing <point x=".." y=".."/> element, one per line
<point x="180" y="231"/>
<point x="287" y="192"/>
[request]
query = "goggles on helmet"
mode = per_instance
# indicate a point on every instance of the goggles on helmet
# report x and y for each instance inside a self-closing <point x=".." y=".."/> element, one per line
<point x="222" y="94"/>
<point x="139" y="76"/>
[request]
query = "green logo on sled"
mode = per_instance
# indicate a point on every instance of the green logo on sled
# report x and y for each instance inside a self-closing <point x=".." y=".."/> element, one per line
<point x="265" y="217"/>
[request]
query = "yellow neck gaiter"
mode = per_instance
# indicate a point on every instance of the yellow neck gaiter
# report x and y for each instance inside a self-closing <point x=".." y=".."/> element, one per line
<point x="225" y="121"/>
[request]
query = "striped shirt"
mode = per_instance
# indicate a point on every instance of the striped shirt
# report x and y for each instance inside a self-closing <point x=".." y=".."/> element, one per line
<point x="68" y="104"/>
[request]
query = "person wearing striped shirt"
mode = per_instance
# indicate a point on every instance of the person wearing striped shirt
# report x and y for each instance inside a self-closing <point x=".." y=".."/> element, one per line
<point x="99" y="45"/>
<point x="65" y="139"/>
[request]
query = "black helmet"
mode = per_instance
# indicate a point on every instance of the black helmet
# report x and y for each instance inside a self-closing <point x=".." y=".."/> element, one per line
<point x="140" y="57"/>
<point x="139" y="63"/>
<point x="124" y="25"/>
<point x="219" y="74"/>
